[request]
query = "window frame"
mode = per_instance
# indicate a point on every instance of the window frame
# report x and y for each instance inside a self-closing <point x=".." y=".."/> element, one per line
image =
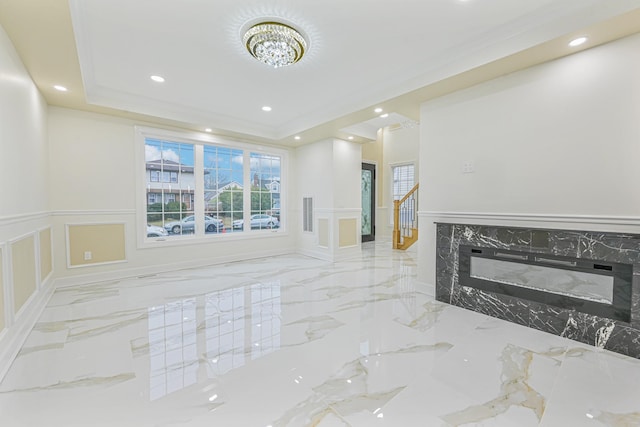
<point x="392" y="166"/>
<point x="200" y="140"/>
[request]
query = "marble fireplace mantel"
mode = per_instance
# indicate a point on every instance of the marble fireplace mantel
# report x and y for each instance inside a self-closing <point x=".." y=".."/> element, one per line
<point x="567" y="321"/>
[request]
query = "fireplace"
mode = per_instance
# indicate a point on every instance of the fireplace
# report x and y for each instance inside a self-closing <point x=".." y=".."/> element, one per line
<point x="600" y="288"/>
<point x="582" y="285"/>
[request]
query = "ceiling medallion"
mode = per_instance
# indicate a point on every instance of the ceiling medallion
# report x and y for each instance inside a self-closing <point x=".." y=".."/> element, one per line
<point x="275" y="44"/>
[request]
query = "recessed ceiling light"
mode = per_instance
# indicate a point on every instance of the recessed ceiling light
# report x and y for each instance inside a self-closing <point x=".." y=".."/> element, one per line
<point x="297" y="138"/>
<point x="207" y="130"/>
<point x="158" y="79"/>
<point x="351" y="138"/>
<point x="266" y="108"/>
<point x="378" y="110"/>
<point x="384" y="116"/>
<point x="577" y="42"/>
<point x="60" y="88"/>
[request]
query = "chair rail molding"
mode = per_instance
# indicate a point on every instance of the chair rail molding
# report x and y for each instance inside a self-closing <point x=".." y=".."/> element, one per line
<point x="601" y="222"/>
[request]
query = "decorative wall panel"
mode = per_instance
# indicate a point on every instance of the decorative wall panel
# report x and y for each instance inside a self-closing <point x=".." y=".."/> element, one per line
<point x="2" y="291"/>
<point x="23" y="262"/>
<point x="46" y="258"/>
<point x="90" y="244"/>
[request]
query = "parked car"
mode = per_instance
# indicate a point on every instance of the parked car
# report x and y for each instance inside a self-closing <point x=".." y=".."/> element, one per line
<point x="155" y="231"/>
<point x="258" y="221"/>
<point x="187" y="225"/>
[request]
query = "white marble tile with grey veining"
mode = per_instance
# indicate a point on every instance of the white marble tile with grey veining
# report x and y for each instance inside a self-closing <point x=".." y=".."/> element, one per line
<point x="295" y="341"/>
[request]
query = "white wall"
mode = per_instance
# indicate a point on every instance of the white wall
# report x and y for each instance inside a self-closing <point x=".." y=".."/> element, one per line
<point x="23" y="140"/>
<point x="557" y="145"/>
<point x="94" y="180"/>
<point x="347" y="167"/>
<point x="24" y="200"/>
<point x="328" y="171"/>
<point x="314" y="177"/>
<point x="399" y="146"/>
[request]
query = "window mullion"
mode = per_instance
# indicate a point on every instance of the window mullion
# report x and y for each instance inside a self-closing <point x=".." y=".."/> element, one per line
<point x="198" y="204"/>
<point x="246" y="193"/>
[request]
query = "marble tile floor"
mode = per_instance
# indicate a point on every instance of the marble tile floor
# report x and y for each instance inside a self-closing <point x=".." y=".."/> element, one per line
<point x="296" y="341"/>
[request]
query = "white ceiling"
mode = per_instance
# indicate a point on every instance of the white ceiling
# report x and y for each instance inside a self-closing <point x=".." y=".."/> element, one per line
<point x="361" y="54"/>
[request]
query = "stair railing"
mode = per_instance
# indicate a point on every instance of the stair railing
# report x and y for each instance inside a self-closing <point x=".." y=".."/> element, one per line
<point x="405" y="220"/>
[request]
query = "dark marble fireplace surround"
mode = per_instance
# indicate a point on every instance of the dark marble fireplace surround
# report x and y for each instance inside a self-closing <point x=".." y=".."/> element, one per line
<point x="603" y="332"/>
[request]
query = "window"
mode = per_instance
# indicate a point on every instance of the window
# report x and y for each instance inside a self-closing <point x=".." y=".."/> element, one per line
<point x="403" y="182"/>
<point x="197" y="187"/>
<point x="164" y="161"/>
<point x="224" y="185"/>
<point x="265" y="191"/>
<point x="167" y="176"/>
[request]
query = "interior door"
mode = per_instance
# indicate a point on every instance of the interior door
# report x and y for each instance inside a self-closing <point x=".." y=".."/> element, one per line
<point x="368" y="202"/>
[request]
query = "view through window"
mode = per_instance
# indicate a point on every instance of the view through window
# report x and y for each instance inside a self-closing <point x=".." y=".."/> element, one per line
<point x="231" y="184"/>
<point x="403" y="182"/>
<point x="169" y="168"/>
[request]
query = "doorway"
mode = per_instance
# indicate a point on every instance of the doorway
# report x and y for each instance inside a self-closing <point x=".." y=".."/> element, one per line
<point x="368" y="202"/>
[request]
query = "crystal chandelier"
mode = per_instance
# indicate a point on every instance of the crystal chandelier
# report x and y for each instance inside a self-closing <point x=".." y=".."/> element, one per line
<point x="275" y="44"/>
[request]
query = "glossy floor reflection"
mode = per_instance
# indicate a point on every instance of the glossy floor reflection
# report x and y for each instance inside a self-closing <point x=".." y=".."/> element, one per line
<point x="295" y="341"/>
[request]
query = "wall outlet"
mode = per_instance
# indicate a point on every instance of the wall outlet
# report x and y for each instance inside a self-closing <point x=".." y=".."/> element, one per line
<point x="467" y="167"/>
<point x="87" y="255"/>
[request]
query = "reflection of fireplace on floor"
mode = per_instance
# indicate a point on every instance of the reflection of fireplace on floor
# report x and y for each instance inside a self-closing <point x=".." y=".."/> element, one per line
<point x="594" y="287"/>
<point x="582" y="285"/>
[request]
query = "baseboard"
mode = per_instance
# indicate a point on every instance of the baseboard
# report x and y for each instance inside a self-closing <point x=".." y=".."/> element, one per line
<point x="426" y="288"/>
<point x="13" y="338"/>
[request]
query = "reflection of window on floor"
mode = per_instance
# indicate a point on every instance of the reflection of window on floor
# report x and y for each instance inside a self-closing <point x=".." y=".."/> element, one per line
<point x="172" y="347"/>
<point x="240" y="322"/>
<point x="265" y="319"/>
<point x="224" y="311"/>
<point x="406" y="288"/>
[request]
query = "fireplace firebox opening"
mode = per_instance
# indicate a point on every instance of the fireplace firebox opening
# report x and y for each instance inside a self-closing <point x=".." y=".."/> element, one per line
<point x="589" y="286"/>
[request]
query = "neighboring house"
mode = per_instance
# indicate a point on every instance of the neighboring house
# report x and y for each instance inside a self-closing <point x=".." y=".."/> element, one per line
<point x="273" y="186"/>
<point x="169" y="181"/>
<point x="211" y="196"/>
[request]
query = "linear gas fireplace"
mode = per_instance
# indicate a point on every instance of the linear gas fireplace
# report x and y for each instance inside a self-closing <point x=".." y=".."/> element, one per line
<point x="600" y="288"/>
<point x="582" y="285"/>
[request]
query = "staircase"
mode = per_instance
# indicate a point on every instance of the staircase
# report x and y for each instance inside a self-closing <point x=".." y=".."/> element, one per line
<point x="405" y="220"/>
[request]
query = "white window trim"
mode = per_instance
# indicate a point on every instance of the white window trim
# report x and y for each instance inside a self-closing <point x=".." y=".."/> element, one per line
<point x="391" y="195"/>
<point x="200" y="139"/>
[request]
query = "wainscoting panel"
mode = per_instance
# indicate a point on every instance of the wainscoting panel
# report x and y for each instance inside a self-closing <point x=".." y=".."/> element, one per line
<point x="46" y="256"/>
<point x="26" y="279"/>
<point x="91" y="244"/>
<point x="23" y="266"/>
<point x="348" y="232"/>
<point x="323" y="232"/>
<point x="2" y="292"/>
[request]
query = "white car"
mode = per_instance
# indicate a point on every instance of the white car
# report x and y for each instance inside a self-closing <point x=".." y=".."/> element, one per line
<point x="187" y="225"/>
<point x="155" y="231"/>
<point x="258" y="221"/>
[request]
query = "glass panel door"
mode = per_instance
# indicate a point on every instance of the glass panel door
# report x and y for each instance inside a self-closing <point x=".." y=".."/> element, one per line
<point x="368" y="202"/>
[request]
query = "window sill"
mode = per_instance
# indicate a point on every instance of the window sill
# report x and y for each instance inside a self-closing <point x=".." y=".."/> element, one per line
<point x="177" y="241"/>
